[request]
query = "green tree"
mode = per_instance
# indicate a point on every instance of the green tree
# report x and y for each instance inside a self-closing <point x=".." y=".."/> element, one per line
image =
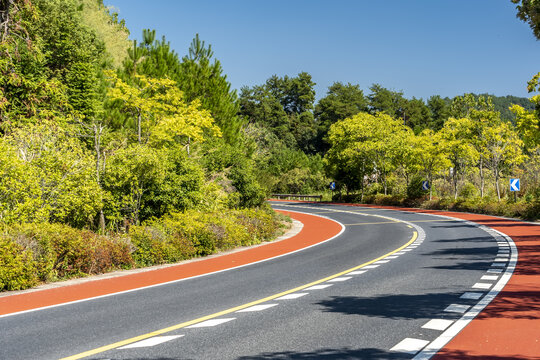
<point x="200" y="78"/>
<point x="384" y="100"/>
<point x="457" y="136"/>
<point x="341" y="101"/>
<point x="529" y="11"/>
<point x="503" y="151"/>
<point x="431" y="155"/>
<point x="439" y="112"/>
<point x="283" y="105"/>
<point x="415" y="114"/>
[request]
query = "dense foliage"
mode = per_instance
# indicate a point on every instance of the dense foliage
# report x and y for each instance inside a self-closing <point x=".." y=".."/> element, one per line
<point x="118" y="153"/>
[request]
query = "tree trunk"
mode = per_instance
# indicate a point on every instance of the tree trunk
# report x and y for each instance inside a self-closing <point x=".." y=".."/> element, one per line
<point x="496" y="172"/>
<point x="481" y="177"/>
<point x="139" y="125"/>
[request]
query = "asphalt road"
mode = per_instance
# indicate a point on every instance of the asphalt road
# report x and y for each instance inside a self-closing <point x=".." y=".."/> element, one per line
<point x="366" y="314"/>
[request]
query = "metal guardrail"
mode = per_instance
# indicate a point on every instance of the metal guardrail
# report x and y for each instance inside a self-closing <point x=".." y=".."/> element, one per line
<point x="296" y="196"/>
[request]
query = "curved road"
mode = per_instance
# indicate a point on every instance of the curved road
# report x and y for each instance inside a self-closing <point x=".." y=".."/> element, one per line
<point x="330" y="301"/>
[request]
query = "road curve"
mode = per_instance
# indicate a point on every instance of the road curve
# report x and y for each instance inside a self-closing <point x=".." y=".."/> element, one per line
<point x="337" y="300"/>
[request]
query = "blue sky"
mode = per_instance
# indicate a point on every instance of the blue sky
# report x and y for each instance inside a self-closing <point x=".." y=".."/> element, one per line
<point x="420" y="47"/>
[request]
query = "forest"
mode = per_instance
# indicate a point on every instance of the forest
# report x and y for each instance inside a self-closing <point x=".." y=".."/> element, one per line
<point x="119" y="153"/>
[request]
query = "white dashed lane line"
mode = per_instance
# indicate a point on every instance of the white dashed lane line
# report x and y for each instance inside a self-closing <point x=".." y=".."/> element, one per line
<point x="257" y="308"/>
<point x="471" y="295"/>
<point x="319" y="287"/>
<point x="410" y="346"/>
<point x="340" y="279"/>
<point x="210" y="323"/>
<point x="438" y="324"/>
<point x="150" y="342"/>
<point x="291" y="296"/>
<point x="457" y="308"/>
<point x="482" y="286"/>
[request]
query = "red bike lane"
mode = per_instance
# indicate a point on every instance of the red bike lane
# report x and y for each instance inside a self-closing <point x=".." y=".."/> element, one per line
<point x="316" y="230"/>
<point x="509" y="327"/>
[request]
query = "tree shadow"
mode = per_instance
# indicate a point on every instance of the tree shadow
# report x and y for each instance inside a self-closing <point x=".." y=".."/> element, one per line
<point x="330" y="354"/>
<point x="391" y="306"/>
<point x="482" y="239"/>
<point x="476" y="253"/>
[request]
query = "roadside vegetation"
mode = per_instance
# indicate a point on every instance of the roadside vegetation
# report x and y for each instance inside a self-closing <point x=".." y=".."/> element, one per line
<point x="119" y="153"/>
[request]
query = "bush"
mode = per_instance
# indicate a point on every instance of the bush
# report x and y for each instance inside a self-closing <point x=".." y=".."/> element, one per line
<point x="17" y="268"/>
<point x="183" y="235"/>
<point x="60" y="251"/>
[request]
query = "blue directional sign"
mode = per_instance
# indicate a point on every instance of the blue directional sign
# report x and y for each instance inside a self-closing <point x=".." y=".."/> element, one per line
<point x="333" y="185"/>
<point x="425" y="185"/>
<point x="514" y="185"/>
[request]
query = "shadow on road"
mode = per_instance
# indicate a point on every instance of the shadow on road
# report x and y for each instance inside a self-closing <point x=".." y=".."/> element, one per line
<point x="397" y="306"/>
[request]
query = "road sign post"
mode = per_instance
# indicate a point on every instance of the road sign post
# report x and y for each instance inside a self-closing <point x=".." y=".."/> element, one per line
<point x="515" y="186"/>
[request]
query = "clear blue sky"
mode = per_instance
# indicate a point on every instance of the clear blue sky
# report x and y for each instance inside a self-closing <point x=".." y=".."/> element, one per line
<point x="422" y="47"/>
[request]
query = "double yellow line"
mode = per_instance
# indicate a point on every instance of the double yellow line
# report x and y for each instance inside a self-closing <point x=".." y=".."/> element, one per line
<point x="228" y="311"/>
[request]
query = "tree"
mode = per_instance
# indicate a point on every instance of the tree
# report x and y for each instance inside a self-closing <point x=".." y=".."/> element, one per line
<point x="341" y="101"/>
<point x="384" y="100"/>
<point x="457" y="136"/>
<point x="503" y="151"/>
<point x="529" y="11"/>
<point x="415" y="114"/>
<point x="362" y="146"/>
<point x="283" y="105"/>
<point x="439" y="112"/>
<point x="160" y="104"/>
<point x="199" y="78"/>
<point x="481" y="111"/>
<point x="431" y="155"/>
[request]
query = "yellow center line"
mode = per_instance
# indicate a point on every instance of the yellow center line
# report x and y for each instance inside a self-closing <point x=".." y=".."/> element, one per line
<point x="231" y="310"/>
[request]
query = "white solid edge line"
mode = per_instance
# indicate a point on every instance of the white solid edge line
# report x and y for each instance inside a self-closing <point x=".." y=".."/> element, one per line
<point x="437" y="344"/>
<point x="188" y="278"/>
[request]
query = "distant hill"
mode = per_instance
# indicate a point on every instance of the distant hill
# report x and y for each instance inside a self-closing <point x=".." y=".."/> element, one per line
<point x="502" y="103"/>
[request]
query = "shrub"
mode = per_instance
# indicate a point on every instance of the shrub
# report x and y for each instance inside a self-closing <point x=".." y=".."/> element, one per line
<point x="17" y="268"/>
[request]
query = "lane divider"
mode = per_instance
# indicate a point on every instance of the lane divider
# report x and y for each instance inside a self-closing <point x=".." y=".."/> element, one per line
<point x="506" y="260"/>
<point x="418" y="236"/>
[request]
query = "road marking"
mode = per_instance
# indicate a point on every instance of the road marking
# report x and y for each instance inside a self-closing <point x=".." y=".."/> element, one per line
<point x="209" y="323"/>
<point x="374" y="223"/>
<point x="457" y="308"/>
<point x="410" y="346"/>
<point x="257" y="308"/>
<point x="382" y="261"/>
<point x="501" y="259"/>
<point x="495" y="271"/>
<point x="438" y="324"/>
<point x="184" y="279"/>
<point x="471" y="295"/>
<point x="319" y="287"/>
<point x="339" y="279"/>
<point x="498" y="264"/>
<point x="359" y="272"/>
<point x="371" y="266"/>
<point x="244" y="306"/>
<point x="392" y="257"/>
<point x="150" y="342"/>
<point x="292" y="296"/>
<point x="481" y="286"/>
<point x="460" y="324"/>
<point x="489" y="277"/>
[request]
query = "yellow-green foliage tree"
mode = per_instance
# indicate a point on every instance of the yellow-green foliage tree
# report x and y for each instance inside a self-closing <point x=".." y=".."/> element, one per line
<point x="159" y="104"/>
<point x="364" y="145"/>
<point x="457" y="136"/>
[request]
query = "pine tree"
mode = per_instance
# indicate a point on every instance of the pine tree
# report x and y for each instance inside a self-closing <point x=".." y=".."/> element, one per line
<point x="202" y="79"/>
